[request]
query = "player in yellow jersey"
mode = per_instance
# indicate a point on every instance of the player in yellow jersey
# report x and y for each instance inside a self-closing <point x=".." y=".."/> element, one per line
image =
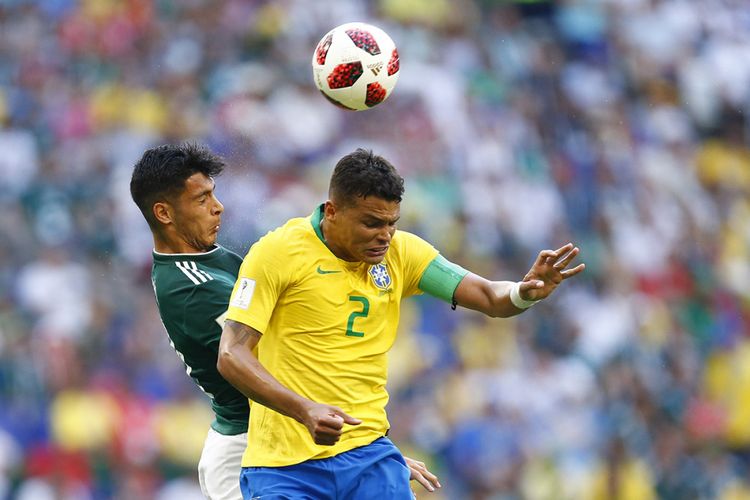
<point x="311" y="318"/>
<point x="193" y="278"/>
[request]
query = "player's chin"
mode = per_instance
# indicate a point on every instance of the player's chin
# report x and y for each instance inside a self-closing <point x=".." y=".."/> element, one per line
<point x="210" y="240"/>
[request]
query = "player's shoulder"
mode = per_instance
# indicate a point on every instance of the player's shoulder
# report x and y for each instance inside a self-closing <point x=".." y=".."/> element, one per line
<point x="182" y="279"/>
<point x="189" y="296"/>
<point x="407" y="248"/>
<point x="299" y="226"/>
<point x="405" y="241"/>
<point x="401" y="236"/>
<point x="180" y="273"/>
<point x="287" y="240"/>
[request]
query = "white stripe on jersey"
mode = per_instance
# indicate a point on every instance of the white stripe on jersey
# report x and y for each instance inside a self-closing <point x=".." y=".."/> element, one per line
<point x="187" y="273"/>
<point x="190" y="269"/>
<point x="190" y="266"/>
<point x="200" y="272"/>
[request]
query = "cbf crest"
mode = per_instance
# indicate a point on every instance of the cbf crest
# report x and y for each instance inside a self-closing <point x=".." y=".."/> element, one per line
<point x="380" y="276"/>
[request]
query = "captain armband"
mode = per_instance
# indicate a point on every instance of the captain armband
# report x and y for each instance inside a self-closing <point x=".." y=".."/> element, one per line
<point x="441" y="278"/>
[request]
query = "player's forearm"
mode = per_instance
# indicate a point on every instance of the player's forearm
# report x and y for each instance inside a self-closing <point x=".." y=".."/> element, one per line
<point x="239" y="366"/>
<point x="500" y="305"/>
<point x="489" y="297"/>
<point x="254" y="381"/>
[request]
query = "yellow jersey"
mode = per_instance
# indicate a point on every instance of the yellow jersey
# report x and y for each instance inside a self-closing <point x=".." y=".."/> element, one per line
<point x="327" y="326"/>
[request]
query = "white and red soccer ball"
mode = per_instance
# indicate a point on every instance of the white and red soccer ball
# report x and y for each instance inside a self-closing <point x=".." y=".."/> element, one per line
<point x="356" y="66"/>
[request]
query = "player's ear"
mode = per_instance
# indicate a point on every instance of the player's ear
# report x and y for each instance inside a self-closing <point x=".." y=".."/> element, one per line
<point x="329" y="210"/>
<point x="163" y="212"/>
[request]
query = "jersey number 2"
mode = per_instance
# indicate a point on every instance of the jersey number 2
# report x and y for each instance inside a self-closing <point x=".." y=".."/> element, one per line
<point x="357" y="314"/>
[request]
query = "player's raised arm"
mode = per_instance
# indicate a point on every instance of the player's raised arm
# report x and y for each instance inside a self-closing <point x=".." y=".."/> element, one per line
<point x="507" y="298"/>
<point x="241" y="368"/>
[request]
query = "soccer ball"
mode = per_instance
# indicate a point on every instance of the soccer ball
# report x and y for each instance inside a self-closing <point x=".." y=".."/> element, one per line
<point x="355" y="66"/>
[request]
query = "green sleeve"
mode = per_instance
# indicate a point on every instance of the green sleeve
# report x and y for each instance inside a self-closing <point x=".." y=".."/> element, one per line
<point x="441" y="278"/>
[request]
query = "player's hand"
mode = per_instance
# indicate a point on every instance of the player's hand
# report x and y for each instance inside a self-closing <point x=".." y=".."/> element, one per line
<point x="419" y="473"/>
<point x="325" y="423"/>
<point x="548" y="271"/>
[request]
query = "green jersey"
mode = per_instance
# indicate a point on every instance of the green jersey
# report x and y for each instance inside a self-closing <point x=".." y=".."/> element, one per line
<point x="192" y="293"/>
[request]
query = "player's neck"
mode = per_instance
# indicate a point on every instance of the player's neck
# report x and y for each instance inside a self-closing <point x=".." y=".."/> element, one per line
<point x="175" y="246"/>
<point x="330" y="240"/>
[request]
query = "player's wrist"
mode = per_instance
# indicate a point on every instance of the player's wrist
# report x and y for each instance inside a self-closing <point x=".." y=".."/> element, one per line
<point x="516" y="299"/>
<point x="304" y="411"/>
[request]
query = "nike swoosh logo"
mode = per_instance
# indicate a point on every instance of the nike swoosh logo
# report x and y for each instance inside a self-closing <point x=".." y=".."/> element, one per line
<point x="321" y="271"/>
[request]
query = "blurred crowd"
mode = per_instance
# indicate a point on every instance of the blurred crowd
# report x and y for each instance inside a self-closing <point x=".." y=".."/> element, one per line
<point x="620" y="125"/>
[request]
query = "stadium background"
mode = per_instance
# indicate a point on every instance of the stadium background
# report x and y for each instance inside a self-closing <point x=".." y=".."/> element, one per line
<point x="620" y="125"/>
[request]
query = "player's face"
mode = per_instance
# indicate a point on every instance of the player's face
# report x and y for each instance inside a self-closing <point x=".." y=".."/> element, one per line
<point x="197" y="213"/>
<point x="362" y="232"/>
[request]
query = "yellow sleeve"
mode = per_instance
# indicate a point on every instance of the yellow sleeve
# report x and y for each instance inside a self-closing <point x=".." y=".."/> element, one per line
<point x="415" y="255"/>
<point x="264" y="275"/>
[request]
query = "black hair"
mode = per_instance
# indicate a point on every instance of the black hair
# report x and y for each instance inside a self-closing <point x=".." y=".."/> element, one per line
<point x="161" y="173"/>
<point x="363" y="174"/>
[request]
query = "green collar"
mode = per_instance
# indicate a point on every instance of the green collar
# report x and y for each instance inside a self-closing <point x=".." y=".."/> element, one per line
<point x="315" y="219"/>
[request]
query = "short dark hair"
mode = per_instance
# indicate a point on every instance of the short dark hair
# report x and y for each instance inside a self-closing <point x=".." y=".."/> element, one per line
<point x="362" y="174"/>
<point x="161" y="173"/>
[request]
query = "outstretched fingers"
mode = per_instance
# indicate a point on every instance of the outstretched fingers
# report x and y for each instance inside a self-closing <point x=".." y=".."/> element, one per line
<point x="572" y="272"/>
<point x="551" y="256"/>
<point x="544" y="257"/>
<point x="563" y="263"/>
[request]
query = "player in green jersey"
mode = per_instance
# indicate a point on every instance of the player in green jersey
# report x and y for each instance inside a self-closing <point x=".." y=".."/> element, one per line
<point x="193" y="277"/>
<point x="318" y="300"/>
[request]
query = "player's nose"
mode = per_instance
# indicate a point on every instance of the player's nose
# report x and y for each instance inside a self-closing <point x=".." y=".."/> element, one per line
<point x="385" y="236"/>
<point x="218" y="207"/>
